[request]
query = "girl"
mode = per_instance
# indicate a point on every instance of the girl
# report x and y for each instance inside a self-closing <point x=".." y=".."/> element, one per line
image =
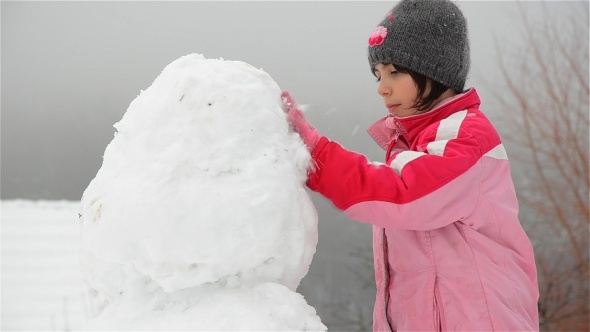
<point x="449" y="250"/>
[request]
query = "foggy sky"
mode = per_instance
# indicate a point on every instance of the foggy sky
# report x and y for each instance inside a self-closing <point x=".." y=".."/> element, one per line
<point x="71" y="69"/>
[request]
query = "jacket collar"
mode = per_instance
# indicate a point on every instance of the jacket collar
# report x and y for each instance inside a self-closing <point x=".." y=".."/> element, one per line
<point x="389" y="128"/>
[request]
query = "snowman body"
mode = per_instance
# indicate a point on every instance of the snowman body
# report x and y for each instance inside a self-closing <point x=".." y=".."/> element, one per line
<point x="198" y="218"/>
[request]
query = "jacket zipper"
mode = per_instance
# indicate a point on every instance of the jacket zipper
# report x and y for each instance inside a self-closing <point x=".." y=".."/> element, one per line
<point x="390" y="149"/>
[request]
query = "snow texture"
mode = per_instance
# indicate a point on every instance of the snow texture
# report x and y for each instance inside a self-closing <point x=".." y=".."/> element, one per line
<point x="198" y="217"/>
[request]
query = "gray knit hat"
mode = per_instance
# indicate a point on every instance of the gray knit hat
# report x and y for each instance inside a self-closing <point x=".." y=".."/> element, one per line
<point x="425" y="36"/>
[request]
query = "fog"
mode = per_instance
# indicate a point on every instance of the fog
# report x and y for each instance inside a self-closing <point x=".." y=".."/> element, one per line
<point x="71" y="69"/>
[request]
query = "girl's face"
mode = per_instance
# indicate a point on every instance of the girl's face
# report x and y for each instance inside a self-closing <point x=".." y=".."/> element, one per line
<point x="398" y="90"/>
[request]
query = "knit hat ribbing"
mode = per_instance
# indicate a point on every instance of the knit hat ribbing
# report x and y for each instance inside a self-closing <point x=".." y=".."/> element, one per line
<point x="426" y="36"/>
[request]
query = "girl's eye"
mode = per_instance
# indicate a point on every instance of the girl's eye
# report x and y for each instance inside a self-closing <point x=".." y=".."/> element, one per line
<point x="393" y="72"/>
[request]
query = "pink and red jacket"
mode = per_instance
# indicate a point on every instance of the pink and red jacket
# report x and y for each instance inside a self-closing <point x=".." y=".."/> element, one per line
<point x="449" y="250"/>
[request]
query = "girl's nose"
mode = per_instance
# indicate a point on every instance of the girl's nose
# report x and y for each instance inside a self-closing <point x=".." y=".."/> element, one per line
<point x="382" y="89"/>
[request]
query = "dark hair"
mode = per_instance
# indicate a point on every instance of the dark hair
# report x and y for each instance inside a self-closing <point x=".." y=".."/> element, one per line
<point x="421" y="81"/>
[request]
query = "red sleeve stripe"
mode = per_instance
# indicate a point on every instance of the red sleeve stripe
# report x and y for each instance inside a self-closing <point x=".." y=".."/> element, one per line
<point x="457" y="198"/>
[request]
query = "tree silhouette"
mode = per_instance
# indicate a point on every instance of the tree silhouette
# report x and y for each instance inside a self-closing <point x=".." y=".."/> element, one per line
<point x="544" y="104"/>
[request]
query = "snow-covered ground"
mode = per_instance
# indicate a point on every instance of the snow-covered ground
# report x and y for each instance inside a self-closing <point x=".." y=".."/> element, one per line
<point x="42" y="286"/>
<point x="43" y="289"/>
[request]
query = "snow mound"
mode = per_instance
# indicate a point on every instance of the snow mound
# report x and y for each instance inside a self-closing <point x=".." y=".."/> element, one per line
<point x="265" y="307"/>
<point x="202" y="186"/>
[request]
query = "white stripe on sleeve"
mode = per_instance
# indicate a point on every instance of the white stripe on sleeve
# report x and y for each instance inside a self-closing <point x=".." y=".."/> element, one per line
<point x="497" y="153"/>
<point x="447" y="130"/>
<point x="403" y="158"/>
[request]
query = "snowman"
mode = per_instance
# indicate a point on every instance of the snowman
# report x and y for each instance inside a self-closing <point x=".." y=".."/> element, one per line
<point x="198" y="218"/>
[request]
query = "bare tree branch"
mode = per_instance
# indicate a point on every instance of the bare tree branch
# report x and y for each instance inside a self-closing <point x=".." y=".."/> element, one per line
<point x="547" y="92"/>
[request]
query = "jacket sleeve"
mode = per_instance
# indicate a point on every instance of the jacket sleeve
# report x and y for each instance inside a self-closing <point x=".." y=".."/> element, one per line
<point x="414" y="190"/>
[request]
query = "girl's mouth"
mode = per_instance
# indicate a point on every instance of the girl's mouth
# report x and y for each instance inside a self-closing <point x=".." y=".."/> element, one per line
<point x="392" y="108"/>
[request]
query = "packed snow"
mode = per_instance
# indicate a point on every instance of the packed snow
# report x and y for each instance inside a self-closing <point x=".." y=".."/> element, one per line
<point x="198" y="218"/>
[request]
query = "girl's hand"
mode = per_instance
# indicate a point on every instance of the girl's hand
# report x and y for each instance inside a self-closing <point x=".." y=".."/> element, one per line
<point x="308" y="133"/>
